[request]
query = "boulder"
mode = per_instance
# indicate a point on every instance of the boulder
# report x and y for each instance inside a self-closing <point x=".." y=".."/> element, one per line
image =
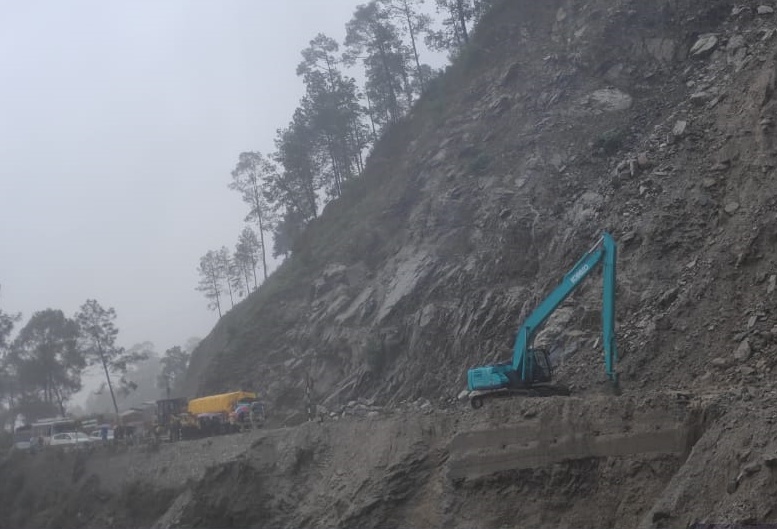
<point x="731" y="207"/>
<point x="679" y="128"/>
<point x="611" y="99"/>
<point x="719" y="362"/>
<point x="707" y="183"/>
<point x="743" y="351"/>
<point x="704" y="45"/>
<point x="735" y="42"/>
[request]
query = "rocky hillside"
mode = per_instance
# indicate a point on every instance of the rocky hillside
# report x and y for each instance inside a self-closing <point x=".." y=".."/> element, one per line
<point x="653" y="120"/>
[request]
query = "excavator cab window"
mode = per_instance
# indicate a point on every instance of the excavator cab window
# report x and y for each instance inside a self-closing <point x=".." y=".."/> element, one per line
<point x="543" y="371"/>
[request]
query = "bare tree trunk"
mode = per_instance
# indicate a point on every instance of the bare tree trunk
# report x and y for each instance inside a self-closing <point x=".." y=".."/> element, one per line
<point x="264" y="251"/>
<point x="216" y="290"/>
<point x="253" y="262"/>
<point x="393" y="104"/>
<point x="60" y="402"/>
<point x="247" y="277"/>
<point x="357" y="155"/>
<point x="462" y="20"/>
<point x="335" y="165"/>
<point x="259" y="213"/>
<point x="110" y="385"/>
<point x="411" y="30"/>
<point x="372" y="121"/>
<point x="408" y="87"/>
<point x="229" y="289"/>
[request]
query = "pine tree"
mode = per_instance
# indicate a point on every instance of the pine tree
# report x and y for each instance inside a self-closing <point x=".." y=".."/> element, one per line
<point x="98" y="344"/>
<point x="251" y="174"/>
<point x="46" y="358"/>
<point x="372" y="37"/>
<point x="230" y="273"/>
<point x="174" y="365"/>
<point x="247" y="252"/>
<point x="414" y="24"/>
<point x="295" y="187"/>
<point x="211" y="280"/>
<point x="331" y="113"/>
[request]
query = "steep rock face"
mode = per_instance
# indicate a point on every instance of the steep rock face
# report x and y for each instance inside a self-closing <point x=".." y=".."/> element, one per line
<point x="653" y="120"/>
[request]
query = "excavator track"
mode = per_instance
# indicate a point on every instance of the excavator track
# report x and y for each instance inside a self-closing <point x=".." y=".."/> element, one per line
<point x="478" y="398"/>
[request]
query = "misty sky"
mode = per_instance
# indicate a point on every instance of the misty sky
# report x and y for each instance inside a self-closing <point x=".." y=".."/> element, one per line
<point x="120" y="122"/>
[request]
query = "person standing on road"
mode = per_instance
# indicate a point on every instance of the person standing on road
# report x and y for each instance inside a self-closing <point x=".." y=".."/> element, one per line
<point x="256" y="414"/>
<point x="157" y="431"/>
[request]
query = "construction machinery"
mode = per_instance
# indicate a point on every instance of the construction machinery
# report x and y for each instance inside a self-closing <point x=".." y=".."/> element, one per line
<point x="530" y="371"/>
<point x="167" y="418"/>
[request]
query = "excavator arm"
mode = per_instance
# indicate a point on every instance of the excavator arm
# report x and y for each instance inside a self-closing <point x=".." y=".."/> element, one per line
<point x="520" y="371"/>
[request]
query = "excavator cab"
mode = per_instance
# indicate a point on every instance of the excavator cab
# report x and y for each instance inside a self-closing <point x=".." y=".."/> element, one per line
<point x="542" y="370"/>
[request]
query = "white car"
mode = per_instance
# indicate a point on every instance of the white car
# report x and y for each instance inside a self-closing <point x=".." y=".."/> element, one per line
<point x="98" y="436"/>
<point x="70" y="439"/>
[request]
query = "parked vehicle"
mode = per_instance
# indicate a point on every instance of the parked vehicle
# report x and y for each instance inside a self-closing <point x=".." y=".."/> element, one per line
<point x="22" y="437"/>
<point x="97" y="435"/>
<point x="224" y="403"/>
<point x="45" y="429"/>
<point x="70" y="439"/>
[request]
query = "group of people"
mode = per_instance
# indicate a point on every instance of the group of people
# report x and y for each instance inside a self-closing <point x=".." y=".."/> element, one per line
<point x="249" y="414"/>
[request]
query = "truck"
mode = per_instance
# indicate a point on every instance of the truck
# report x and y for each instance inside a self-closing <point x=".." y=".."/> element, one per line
<point x="529" y="371"/>
<point x="180" y="418"/>
<point x="214" y="414"/>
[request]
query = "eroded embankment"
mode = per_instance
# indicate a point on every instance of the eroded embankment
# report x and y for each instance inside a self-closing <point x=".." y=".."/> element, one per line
<point x="600" y="461"/>
<point x="595" y="463"/>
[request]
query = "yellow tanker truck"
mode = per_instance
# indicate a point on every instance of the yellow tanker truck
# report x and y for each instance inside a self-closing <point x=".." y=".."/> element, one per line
<point x="223" y="403"/>
<point x="215" y="414"/>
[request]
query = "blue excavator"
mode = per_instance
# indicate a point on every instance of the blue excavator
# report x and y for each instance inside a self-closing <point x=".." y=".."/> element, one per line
<point x="530" y="371"/>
